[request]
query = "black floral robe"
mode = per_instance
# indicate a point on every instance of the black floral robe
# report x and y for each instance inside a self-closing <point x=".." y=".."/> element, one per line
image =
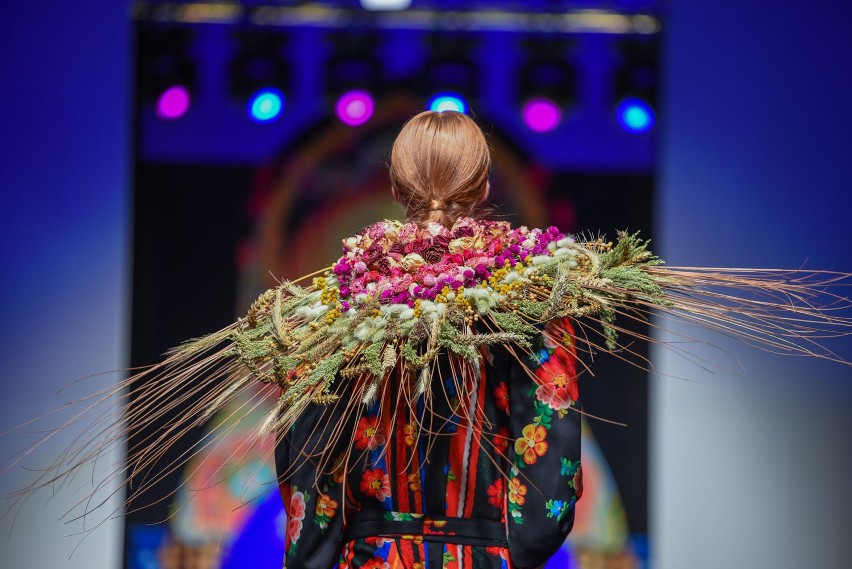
<point x="498" y="495"/>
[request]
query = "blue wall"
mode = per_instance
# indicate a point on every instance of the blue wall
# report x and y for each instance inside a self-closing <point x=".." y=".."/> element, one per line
<point x="64" y="177"/>
<point x="750" y="468"/>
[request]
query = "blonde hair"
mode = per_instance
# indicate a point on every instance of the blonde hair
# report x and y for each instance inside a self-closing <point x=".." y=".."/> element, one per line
<point x="439" y="167"/>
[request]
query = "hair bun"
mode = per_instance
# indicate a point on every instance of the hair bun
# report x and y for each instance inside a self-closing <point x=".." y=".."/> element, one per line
<point x="437" y="205"/>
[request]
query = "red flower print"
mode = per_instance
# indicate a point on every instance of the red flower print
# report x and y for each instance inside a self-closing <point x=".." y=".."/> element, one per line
<point x="297" y="506"/>
<point x="375" y="563"/>
<point x="495" y="493"/>
<point x="497" y="551"/>
<point x="557" y="398"/>
<point x="578" y="482"/>
<point x="501" y="397"/>
<point x="555" y="372"/>
<point x="369" y="434"/>
<point x="294" y="529"/>
<point x="501" y="441"/>
<point x="531" y="444"/>
<point x="376" y="483"/>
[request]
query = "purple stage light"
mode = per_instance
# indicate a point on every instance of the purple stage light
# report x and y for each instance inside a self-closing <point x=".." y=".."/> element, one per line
<point x="354" y="108"/>
<point x="173" y="103"/>
<point x="541" y="115"/>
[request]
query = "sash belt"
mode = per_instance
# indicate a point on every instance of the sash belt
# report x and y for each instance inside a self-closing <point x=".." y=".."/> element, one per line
<point x="440" y="529"/>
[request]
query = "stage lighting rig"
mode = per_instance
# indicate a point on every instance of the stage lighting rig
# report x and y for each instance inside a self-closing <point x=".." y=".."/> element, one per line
<point x="450" y="79"/>
<point x="354" y="76"/>
<point x="547" y="83"/>
<point x="165" y="72"/>
<point x="635" y="85"/>
<point x="259" y="74"/>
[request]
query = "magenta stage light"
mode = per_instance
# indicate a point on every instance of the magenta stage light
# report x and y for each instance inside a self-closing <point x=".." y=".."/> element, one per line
<point x="173" y="103"/>
<point x="354" y="108"/>
<point x="541" y="115"/>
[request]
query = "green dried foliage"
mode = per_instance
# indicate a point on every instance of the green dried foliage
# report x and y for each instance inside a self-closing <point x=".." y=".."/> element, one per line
<point x="533" y="309"/>
<point x="326" y="370"/>
<point x="493" y="338"/>
<point x="510" y="322"/>
<point x="449" y="337"/>
<point x="607" y="319"/>
<point x="373" y="357"/>
<point x="629" y="249"/>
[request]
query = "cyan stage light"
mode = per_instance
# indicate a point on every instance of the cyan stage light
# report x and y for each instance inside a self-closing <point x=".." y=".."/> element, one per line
<point x="447" y="102"/>
<point x="541" y="114"/>
<point x="355" y="107"/>
<point x="635" y="115"/>
<point x="266" y="105"/>
<point x="173" y="103"/>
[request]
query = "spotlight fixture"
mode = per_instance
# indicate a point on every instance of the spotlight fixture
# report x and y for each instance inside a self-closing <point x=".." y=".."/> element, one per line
<point x="355" y="107"/>
<point x="259" y="75"/>
<point x="354" y="76"/>
<point x="166" y="74"/>
<point x="547" y="84"/>
<point x="447" y="102"/>
<point x="173" y="103"/>
<point x="635" y="115"/>
<point x="265" y="105"/>
<point x="635" y="89"/>
<point x="450" y="78"/>
<point x="541" y="114"/>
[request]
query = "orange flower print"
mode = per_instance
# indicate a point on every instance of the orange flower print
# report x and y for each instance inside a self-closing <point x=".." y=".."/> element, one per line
<point x="369" y="435"/>
<point x="501" y="397"/>
<point x="517" y="492"/>
<point x="338" y="469"/>
<point x="531" y="444"/>
<point x="495" y="493"/>
<point x="326" y="506"/>
<point x="408" y="430"/>
<point x="414" y="482"/>
<point x="375" y="482"/>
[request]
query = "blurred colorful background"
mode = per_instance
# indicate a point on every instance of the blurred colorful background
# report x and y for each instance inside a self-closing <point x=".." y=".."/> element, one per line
<point x="162" y="161"/>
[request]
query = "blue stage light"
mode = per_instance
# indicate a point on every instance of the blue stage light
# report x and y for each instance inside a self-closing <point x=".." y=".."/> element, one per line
<point x="635" y="115"/>
<point x="447" y="102"/>
<point x="266" y="105"/>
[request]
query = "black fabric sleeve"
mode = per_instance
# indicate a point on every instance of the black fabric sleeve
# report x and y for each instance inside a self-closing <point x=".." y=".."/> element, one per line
<point x="313" y="500"/>
<point x="545" y="479"/>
